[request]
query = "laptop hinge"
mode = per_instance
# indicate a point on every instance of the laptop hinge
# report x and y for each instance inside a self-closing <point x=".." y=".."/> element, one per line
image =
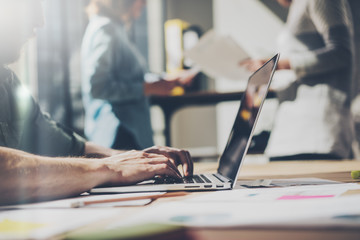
<point x="222" y="178"/>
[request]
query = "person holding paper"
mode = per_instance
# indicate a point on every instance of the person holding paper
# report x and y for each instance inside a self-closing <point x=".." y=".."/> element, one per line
<point x="39" y="158"/>
<point x="313" y="119"/>
<point x="114" y="73"/>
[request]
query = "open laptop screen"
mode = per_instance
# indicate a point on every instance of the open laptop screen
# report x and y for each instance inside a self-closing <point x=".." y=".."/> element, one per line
<point x="246" y="118"/>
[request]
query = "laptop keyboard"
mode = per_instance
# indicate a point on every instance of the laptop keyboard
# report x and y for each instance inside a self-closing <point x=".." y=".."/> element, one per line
<point x="194" y="179"/>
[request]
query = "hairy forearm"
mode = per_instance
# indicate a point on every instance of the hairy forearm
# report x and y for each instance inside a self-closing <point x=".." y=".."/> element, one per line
<point x="25" y="177"/>
<point x="93" y="150"/>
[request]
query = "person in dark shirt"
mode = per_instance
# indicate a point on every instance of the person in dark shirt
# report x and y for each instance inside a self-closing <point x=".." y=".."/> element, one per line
<point x="39" y="158"/>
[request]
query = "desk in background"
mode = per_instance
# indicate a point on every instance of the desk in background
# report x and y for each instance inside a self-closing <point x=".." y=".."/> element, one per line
<point x="171" y="104"/>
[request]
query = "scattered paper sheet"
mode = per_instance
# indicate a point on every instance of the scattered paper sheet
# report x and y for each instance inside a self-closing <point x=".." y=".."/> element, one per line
<point x="46" y="223"/>
<point x="219" y="56"/>
<point x="273" y="194"/>
<point x="67" y="203"/>
<point x="301" y="206"/>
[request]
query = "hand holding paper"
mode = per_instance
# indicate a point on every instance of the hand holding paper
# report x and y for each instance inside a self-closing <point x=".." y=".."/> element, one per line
<point x="219" y="56"/>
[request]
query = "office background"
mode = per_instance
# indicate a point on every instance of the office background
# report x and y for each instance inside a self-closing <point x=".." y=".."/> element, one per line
<point x="254" y="24"/>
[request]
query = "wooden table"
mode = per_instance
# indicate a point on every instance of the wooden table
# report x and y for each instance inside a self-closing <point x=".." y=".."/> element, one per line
<point x="332" y="170"/>
<point x="171" y="104"/>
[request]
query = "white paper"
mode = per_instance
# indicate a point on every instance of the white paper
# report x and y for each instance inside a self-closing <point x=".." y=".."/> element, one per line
<point x="67" y="203"/>
<point x="325" y="207"/>
<point x="272" y="194"/>
<point x="46" y="223"/>
<point x="136" y="203"/>
<point x="219" y="56"/>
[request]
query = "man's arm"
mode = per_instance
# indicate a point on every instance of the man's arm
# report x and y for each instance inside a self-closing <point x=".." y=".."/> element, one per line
<point x="92" y="150"/>
<point x="25" y="177"/>
<point x="176" y="156"/>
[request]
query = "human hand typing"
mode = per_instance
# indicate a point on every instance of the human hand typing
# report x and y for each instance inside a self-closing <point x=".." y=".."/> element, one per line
<point x="136" y="166"/>
<point x="176" y="156"/>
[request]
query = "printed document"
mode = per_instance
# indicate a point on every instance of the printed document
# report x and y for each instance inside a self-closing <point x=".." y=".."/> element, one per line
<point x="219" y="56"/>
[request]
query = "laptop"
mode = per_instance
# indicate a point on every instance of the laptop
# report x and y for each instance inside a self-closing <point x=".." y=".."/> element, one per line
<point x="235" y="151"/>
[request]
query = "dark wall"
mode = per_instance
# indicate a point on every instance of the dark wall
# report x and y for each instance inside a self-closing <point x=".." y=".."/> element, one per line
<point x="58" y="43"/>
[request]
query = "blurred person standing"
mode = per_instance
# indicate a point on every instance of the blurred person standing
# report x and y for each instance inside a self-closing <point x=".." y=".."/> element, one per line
<point x="313" y="119"/>
<point x="114" y="72"/>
